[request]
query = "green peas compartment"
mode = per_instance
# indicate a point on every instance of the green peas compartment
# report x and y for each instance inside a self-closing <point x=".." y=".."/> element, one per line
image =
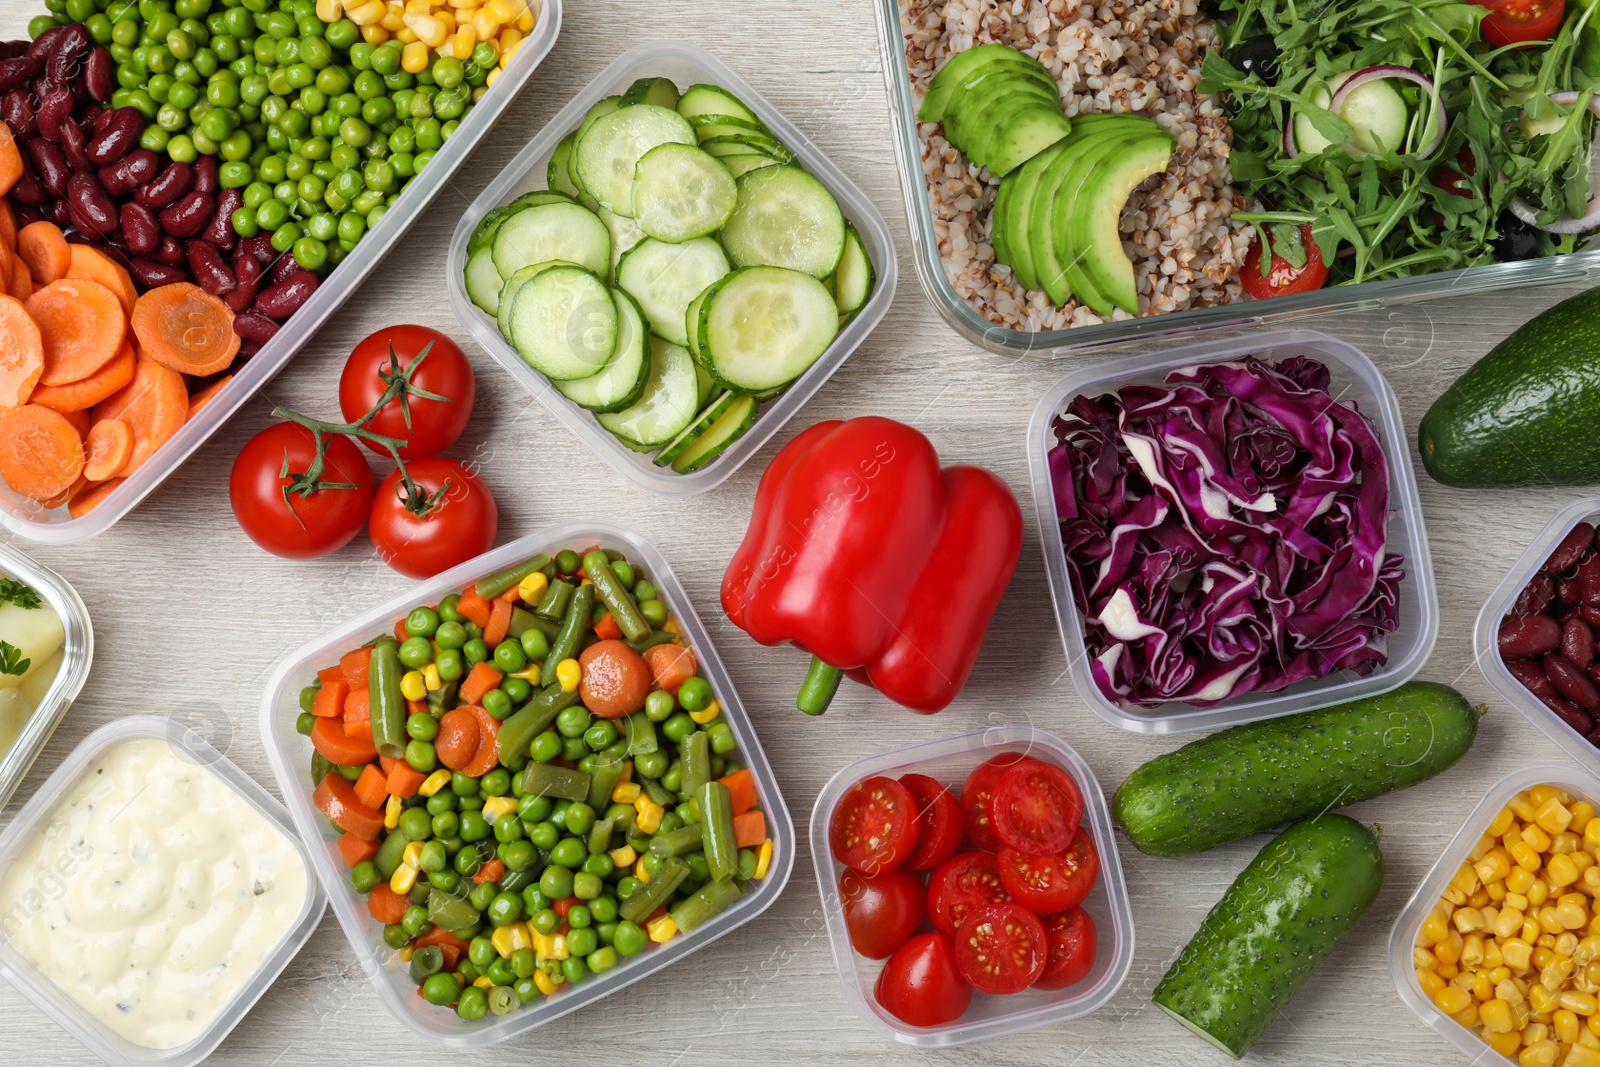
<point x="288" y="752"/>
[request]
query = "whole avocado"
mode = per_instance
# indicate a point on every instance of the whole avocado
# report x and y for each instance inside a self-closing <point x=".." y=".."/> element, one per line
<point x="1528" y="413"/>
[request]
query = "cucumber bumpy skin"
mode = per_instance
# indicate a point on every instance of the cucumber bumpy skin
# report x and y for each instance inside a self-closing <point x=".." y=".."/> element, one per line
<point x="1253" y="777"/>
<point x="1281" y="917"/>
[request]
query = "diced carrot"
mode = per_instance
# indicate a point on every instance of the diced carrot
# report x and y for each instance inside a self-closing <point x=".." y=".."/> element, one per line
<point x="92" y="497"/>
<point x="385" y="905"/>
<point x="43" y="247"/>
<point x="331" y="674"/>
<point x="489" y="872"/>
<point x="387" y="763"/>
<point x="416" y="707"/>
<point x="185" y="328"/>
<point x="87" y="392"/>
<point x="155" y="406"/>
<point x="749" y="829"/>
<point x="356" y="849"/>
<point x="512" y="596"/>
<point x="358" y="713"/>
<point x="330" y="699"/>
<point x="354" y="664"/>
<point x="41" y="454"/>
<point x="21" y="353"/>
<point x="441" y="937"/>
<point x="672" y="665"/>
<point x="499" y="622"/>
<point x="95" y="266"/>
<point x="21" y="285"/>
<point x="404" y="780"/>
<point x="372" y="788"/>
<point x="607" y="629"/>
<point x="107" y="447"/>
<point x="8" y="225"/>
<point x="10" y="160"/>
<point x="479" y="681"/>
<point x="205" y="396"/>
<point x="451" y="955"/>
<point x="82" y="325"/>
<point x="474" y="608"/>
<point x="741" y="790"/>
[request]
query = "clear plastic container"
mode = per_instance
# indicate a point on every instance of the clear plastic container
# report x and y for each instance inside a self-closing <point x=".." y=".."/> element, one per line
<point x="1408" y="924"/>
<point x="686" y="65"/>
<point x="1485" y="635"/>
<point x="290" y="755"/>
<point x="1355" y="381"/>
<point x="77" y="654"/>
<point x="1155" y="329"/>
<point x="15" y="968"/>
<point x="950" y="760"/>
<point x="29" y="519"/>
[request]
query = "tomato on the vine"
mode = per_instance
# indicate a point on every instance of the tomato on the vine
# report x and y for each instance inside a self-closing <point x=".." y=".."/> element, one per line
<point x="1516" y="21"/>
<point x="445" y="516"/>
<point x="425" y="384"/>
<point x="293" y="506"/>
<point x="1284" y="275"/>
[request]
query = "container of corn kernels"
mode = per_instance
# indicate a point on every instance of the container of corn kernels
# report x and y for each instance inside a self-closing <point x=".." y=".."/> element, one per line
<point x="1498" y="950"/>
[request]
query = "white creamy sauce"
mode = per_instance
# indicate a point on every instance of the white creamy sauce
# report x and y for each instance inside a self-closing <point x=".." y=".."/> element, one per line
<point x="37" y="635"/>
<point x="152" y="893"/>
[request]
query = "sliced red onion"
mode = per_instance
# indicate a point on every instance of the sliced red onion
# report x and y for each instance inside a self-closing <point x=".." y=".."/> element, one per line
<point x="1289" y="148"/>
<point x="1384" y="73"/>
<point x="1591" y="218"/>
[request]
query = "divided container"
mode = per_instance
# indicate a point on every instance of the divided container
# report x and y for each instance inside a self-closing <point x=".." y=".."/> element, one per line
<point x="290" y="755"/>
<point x="45" y="995"/>
<point x="1355" y="380"/>
<point x="1158" y="329"/>
<point x="1408" y="924"/>
<point x="686" y="65"/>
<point x="1485" y="635"/>
<point x="77" y="654"/>
<point x="950" y="760"/>
<point x="28" y="518"/>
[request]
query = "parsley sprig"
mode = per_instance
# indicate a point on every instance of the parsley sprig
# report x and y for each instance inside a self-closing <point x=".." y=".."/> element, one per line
<point x="12" y="661"/>
<point x="19" y="593"/>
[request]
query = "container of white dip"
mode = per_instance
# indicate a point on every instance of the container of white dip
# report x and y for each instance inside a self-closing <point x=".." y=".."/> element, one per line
<point x="150" y="892"/>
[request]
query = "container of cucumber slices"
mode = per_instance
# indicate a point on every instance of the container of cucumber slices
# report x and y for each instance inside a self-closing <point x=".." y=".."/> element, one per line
<point x="671" y="268"/>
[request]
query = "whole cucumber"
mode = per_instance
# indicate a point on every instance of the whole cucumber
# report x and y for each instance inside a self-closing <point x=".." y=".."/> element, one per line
<point x="1281" y="917"/>
<point x="1253" y="777"/>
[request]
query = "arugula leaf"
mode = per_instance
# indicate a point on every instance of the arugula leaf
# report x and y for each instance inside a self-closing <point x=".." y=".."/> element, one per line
<point x="12" y="661"/>
<point x="1328" y="124"/>
<point x="19" y="593"/>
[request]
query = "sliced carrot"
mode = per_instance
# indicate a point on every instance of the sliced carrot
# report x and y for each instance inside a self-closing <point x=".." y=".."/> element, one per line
<point x="44" y="249"/>
<point x="61" y="499"/>
<point x="21" y="353"/>
<point x="154" y="405"/>
<point x="404" y="780"/>
<point x="356" y="849"/>
<point x="85" y="393"/>
<point x="7" y="268"/>
<point x="499" y="622"/>
<point x="107" y="447"/>
<point x="329" y="700"/>
<point x="21" y="285"/>
<point x="82" y="325"/>
<point x="41" y="454"/>
<point x="488" y="754"/>
<point x="372" y="788"/>
<point x="183" y="327"/>
<point x="8" y="225"/>
<point x="92" y="497"/>
<point x="749" y="829"/>
<point x="741" y="790"/>
<point x="94" y="265"/>
<point x="10" y="160"/>
<point x="206" y="395"/>
<point x="473" y="608"/>
<point x="80" y="422"/>
<point x="478" y="681"/>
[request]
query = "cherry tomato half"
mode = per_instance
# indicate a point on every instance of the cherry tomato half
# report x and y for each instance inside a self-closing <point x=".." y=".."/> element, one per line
<point x="921" y="984"/>
<point x="1284" y="277"/>
<point x="1511" y="21"/>
<point x="962" y="883"/>
<point x="1052" y="883"/>
<point x="1001" y="948"/>
<point x="299" y="527"/>
<point x="1072" y="948"/>
<point x="874" y="826"/>
<point x="460" y="525"/>
<point x="1035" y="808"/>
<point x="938" y="822"/>
<point x="881" y="911"/>
<point x="433" y="425"/>
<point x="975" y="798"/>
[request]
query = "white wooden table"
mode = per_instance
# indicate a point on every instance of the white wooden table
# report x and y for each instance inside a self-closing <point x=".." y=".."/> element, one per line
<point x="190" y="617"/>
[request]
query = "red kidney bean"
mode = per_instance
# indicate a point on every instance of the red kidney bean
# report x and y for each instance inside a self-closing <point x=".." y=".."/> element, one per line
<point x="1568" y="591"/>
<point x="1577" y="642"/>
<point x="74" y="146"/>
<point x="62" y="64"/>
<point x="189" y="215"/>
<point x="1571" y="682"/>
<point x="168" y="186"/>
<point x="118" y="136"/>
<point x="1590" y="613"/>
<point x="260" y="247"/>
<point x="18" y="72"/>
<point x="210" y="270"/>
<point x="59" y="213"/>
<point x="247" y="274"/>
<point x="29" y="190"/>
<point x="1531" y="635"/>
<point x="97" y="74"/>
<point x="16" y="111"/>
<point x="150" y="274"/>
<point x="1589" y="580"/>
<point x="27" y="214"/>
<point x="254" y="326"/>
<point x="49" y="164"/>
<point x="13" y="49"/>
<point x="1570" y="550"/>
<point x="127" y="174"/>
<point x="44" y="44"/>
<point x="205" y="174"/>
<point x="220" y="230"/>
<point x="282" y="267"/>
<point x="285" y="298"/>
<point x="1537" y="598"/>
<point x="170" y="252"/>
<point x="1531" y="675"/>
<point x="91" y="205"/>
<point x="1570" y="714"/>
<point x="55" y="107"/>
<point x="140" y="231"/>
<point x="246" y="350"/>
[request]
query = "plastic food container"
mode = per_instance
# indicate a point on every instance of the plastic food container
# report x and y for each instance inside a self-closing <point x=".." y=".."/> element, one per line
<point x="1053" y="344"/>
<point x="16" y="969"/>
<point x="1485" y="636"/>
<point x="950" y="760"/>
<point x="686" y="65"/>
<point x="77" y="654"/>
<point x="29" y="519"/>
<point x="1355" y="380"/>
<point x="1408" y="925"/>
<point x="290" y="754"/>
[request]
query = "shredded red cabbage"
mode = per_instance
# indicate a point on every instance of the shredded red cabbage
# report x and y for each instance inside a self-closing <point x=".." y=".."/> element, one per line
<point x="1225" y="532"/>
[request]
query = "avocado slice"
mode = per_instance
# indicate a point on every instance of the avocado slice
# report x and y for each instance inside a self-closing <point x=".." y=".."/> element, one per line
<point x="1013" y="216"/>
<point x="1075" y="189"/>
<point x="972" y="117"/>
<point x="1092" y="217"/>
<point x="963" y="67"/>
<point x="1022" y="133"/>
<point x="1047" y="264"/>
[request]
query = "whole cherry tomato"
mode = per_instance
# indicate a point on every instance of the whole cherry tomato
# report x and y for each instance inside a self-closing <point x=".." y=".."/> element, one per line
<point x="881" y="911"/>
<point x="921" y="984"/>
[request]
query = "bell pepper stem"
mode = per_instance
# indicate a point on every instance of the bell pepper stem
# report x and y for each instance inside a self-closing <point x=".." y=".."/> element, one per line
<point x="816" y="692"/>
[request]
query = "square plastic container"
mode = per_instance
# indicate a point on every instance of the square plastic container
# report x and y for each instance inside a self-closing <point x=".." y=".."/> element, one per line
<point x="686" y="65"/>
<point x="1408" y="924"/>
<point x="1485" y="635"/>
<point x="1153" y="329"/>
<point x="290" y="755"/>
<point x="950" y="760"/>
<point x="1355" y="380"/>
<point x="15" y="968"/>
<point x="77" y="654"/>
<point x="29" y="519"/>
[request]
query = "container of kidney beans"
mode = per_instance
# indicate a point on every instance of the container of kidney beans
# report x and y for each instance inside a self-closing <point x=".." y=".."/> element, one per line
<point x="1536" y="636"/>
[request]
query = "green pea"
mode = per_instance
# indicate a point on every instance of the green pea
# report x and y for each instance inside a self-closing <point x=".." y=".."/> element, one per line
<point x="586" y="886"/>
<point x="480" y="896"/>
<point x="419" y="754"/>
<point x="220" y="93"/>
<point x="316" y="53"/>
<point x="416" y="652"/>
<point x="574" y="970"/>
<point x="448" y="824"/>
<point x="324" y="227"/>
<point x="508" y="655"/>
<point x="234" y="175"/>
<point x="672" y="777"/>
<point x="422" y="727"/>
<point x="556" y="882"/>
<point x="377" y="110"/>
<point x="236" y="148"/>
<point x="180" y="148"/>
<point x="304" y="722"/>
<point x="544" y="835"/>
<point x="659" y="705"/>
<point x="347" y="183"/>
<point x="416" y="824"/>
<point x="442" y="989"/>
<point x="630" y="938"/>
<point x="535" y="645"/>
<point x="345" y="36"/>
<point x="395" y="936"/>
<point x="573" y="748"/>
<point x="169" y="118"/>
<point x="433" y="857"/>
<point x="654" y="611"/>
<point x="299" y="76"/>
<point x="474" y="827"/>
<point x="272" y="214"/>
<point x="311" y="254"/>
<point x="181" y="45"/>
<point x="499" y="971"/>
<point x="497" y="704"/>
<point x="450" y="664"/>
<point x="404" y="163"/>
<point x="429" y="137"/>
<point x="651" y="764"/>
<point x="580" y="817"/>
<point x="695" y="695"/>
<point x="679" y="726"/>
<point x="475" y="650"/>
<point x="722" y="739"/>
<point x="244" y="222"/>
<point x="464" y="785"/>
<point x="600" y="735"/>
<point x="573" y="721"/>
<point x="546" y="747"/>
<point x="518" y="855"/>
<point x="505" y="909"/>
<point x="448" y="107"/>
<point x="569" y="852"/>
<point x="601" y="959"/>
<point x="355" y="132"/>
<point x="315" y="148"/>
<point x="600" y="865"/>
<point x="496" y="783"/>
<point x="482" y="952"/>
<point x="125" y="32"/>
<point x="450" y="634"/>
<point x="473" y="1005"/>
<point x="398" y="80"/>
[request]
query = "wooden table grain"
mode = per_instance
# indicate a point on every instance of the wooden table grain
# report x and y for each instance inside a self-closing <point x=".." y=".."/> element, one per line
<point x="190" y="618"/>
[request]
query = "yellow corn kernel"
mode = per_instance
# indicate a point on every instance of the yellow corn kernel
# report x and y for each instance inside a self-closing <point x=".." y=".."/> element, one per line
<point x="1495" y="1016"/>
<point x="483" y="981"/>
<point x="1591" y="833"/>
<point x="1567" y="944"/>
<point x="1468" y="1018"/>
<point x="365" y="14"/>
<point x="1525" y="855"/>
<point x="495" y="807"/>
<point x="404" y="877"/>
<point x="763" y="859"/>
<point x="1565" y="1025"/>
<point x="1588" y="951"/>
<point x="508" y="37"/>
<point x="1490" y="913"/>
<point x="406" y="953"/>
<point x="1593" y="1023"/>
<point x="448" y="21"/>
<point x="1541" y="793"/>
<point x="1540" y="1054"/>
<point x="1430" y="982"/>
<point x="1588" y="1040"/>
<point x="529" y="674"/>
<point x="627" y="772"/>
<point x="509" y="52"/>
<point x="662" y="929"/>
<point x="705" y="715"/>
<point x="434" y="782"/>
<point x="548" y="987"/>
<point x="1468" y="919"/>
<point x="550" y="946"/>
<point x="1579" y="1002"/>
<point x="1451" y="1000"/>
<point x="417" y="7"/>
<point x="1520" y="881"/>
<point x="1508" y="922"/>
<point x="431" y="679"/>
<point x="391" y="812"/>
<point x="494" y="76"/>
<point x="533" y="587"/>
<point x="1456" y="896"/>
<point x="640" y="872"/>
<point x="1493" y="959"/>
<point x="394" y="21"/>
<point x="1480" y="898"/>
<point x="1472" y="951"/>
<point x="626" y="792"/>
<point x="1565" y="843"/>
<point x="374" y="34"/>
<point x="1435" y="927"/>
<point x="1541" y="999"/>
<point x="1506" y="989"/>
<point x="623" y="857"/>
<point x="1421" y="957"/>
<point x="1480" y="987"/>
<point x="463" y="41"/>
<point x="330" y="10"/>
<point x="1523" y="807"/>
<point x="1447" y="971"/>
<point x="414" y="58"/>
<point x="1449" y="950"/>
<point x="1571" y="916"/>
<point x="508" y="939"/>
<point x="485" y="26"/>
<point x="1581" y="1056"/>
<point x="413" y="686"/>
<point x="1554" y="974"/>
<point x="1539" y="892"/>
<point x="1581" y="859"/>
<point x="1534" y="1033"/>
<point x="649" y="817"/>
<point x="569" y="674"/>
<point x="1561" y="871"/>
<point x="1494" y="866"/>
<point x="1502" y="822"/>
<point x="468" y="5"/>
<point x="506" y="10"/>
<point x="1497" y="891"/>
<point x="1506" y="1044"/>
<point x="1582" y="812"/>
<point x="1516" y="900"/>
<point x="412" y="856"/>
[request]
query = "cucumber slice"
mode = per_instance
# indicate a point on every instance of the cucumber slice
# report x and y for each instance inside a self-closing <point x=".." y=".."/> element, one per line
<point x="692" y="327"/>
<point x="508" y="293"/>
<point x="483" y="281"/>
<point x="659" y="91"/>
<point x="483" y="236"/>
<point x="719" y="436"/>
<point x="599" y="109"/>
<point x="564" y="323"/>
<point x="763" y="327"/>
<point x="709" y="413"/>
<point x="745" y="162"/>
<point x="609" y="150"/>
<point x="668" y="403"/>
<point x="557" y="175"/>
<point x="552" y="231"/>
<point x="625" y="233"/>
<point x="621" y="382"/>
<point x="713" y="100"/>
<point x="539" y="198"/>
<point x="664" y="278"/>
<point x="736" y="143"/>
<point x="707" y="384"/>
<point x="785" y="218"/>
<point x="680" y="193"/>
<point x="852" y="283"/>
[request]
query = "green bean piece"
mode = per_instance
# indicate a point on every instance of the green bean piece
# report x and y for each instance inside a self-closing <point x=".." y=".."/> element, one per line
<point x="450" y="911"/>
<point x="607" y="770"/>
<point x="523" y="620"/>
<point x="640" y="733"/>
<point x="816" y="692"/>
<point x="495" y="584"/>
<point x="390" y="852"/>
<point x="545" y="780"/>
<point x="716" y="825"/>
<point x="657" y="792"/>
<point x="516" y="881"/>
<point x="573" y="627"/>
<point x="600" y="836"/>
<point x="388" y="703"/>
<point x="655" y="637"/>
<point x="503" y="1000"/>
<point x="615" y="596"/>
<point x="696" y="750"/>
<point x="532" y="719"/>
<point x="553" y="605"/>
<point x="705" y="902"/>
<point x="429" y="959"/>
<point x="444" y="697"/>
<point x="320" y="768"/>
<point x="679" y="842"/>
<point x="656" y="892"/>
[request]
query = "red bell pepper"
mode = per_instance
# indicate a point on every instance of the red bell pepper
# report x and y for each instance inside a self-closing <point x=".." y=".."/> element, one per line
<point x="862" y="552"/>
